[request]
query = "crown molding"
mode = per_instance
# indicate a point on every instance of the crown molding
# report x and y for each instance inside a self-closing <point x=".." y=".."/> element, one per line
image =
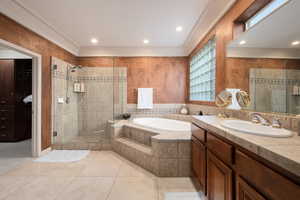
<point x="24" y="16"/>
<point x="213" y="12"/>
<point x="132" y="51"/>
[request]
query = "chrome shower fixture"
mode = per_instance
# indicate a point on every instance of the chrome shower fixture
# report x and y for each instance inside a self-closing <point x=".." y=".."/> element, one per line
<point x="74" y="68"/>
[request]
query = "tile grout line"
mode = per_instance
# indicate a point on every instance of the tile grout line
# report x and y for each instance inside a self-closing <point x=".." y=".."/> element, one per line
<point x="112" y="186"/>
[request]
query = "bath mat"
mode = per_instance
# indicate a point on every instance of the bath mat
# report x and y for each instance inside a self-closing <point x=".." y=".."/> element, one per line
<point x="63" y="156"/>
<point x="182" y="196"/>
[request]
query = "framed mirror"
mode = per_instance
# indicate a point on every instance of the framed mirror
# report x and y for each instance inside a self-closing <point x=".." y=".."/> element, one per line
<point x="264" y="60"/>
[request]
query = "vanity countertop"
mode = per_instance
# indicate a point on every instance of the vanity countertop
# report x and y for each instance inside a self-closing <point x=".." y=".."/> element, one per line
<point x="284" y="152"/>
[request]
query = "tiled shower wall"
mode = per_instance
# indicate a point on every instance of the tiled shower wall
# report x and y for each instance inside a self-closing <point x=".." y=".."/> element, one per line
<point x="105" y="96"/>
<point x="82" y="124"/>
<point x="271" y="90"/>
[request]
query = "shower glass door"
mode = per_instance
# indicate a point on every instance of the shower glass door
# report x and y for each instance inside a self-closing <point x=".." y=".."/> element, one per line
<point x="85" y="101"/>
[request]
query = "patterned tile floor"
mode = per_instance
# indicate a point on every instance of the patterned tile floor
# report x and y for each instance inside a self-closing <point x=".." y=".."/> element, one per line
<point x="102" y="175"/>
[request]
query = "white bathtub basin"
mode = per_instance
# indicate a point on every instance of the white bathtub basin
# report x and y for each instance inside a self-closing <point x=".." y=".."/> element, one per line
<point x="256" y="129"/>
<point x="163" y="124"/>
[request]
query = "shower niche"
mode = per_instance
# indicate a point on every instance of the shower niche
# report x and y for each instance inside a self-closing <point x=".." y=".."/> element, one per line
<point x="85" y="101"/>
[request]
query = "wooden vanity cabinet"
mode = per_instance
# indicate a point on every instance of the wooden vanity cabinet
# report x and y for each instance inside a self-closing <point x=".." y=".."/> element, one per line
<point x="246" y="192"/>
<point x="219" y="179"/>
<point x="199" y="162"/>
<point x="267" y="182"/>
<point x="233" y="173"/>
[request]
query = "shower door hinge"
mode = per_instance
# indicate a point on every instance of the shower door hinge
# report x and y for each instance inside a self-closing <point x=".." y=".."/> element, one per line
<point x="55" y="133"/>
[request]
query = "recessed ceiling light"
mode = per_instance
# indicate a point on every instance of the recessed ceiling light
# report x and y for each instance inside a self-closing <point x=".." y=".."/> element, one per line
<point x="94" y="41"/>
<point x="179" y="28"/>
<point x="295" y="43"/>
<point x="146" y="41"/>
<point x="242" y="42"/>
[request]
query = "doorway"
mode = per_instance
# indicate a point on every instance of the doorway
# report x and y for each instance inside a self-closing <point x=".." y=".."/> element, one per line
<point x="20" y="105"/>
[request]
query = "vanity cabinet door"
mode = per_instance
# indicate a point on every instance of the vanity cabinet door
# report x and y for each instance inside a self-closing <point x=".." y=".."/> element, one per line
<point x="219" y="179"/>
<point x="246" y="192"/>
<point x="199" y="162"/>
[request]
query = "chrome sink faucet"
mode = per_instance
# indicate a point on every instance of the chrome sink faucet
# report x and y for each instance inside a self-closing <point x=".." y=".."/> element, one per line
<point x="276" y="123"/>
<point x="258" y="119"/>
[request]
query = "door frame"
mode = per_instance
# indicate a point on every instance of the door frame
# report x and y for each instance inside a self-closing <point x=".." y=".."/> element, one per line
<point x="36" y="95"/>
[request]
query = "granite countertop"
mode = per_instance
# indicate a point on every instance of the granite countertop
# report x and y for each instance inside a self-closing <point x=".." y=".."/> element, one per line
<point x="284" y="152"/>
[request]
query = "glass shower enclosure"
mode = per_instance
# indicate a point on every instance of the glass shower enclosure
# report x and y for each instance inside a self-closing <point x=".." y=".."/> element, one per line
<point x="85" y="101"/>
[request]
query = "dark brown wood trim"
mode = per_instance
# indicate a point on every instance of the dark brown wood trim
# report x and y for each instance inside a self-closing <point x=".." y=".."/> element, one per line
<point x="255" y="7"/>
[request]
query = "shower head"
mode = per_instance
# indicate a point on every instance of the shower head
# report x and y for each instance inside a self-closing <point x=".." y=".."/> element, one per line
<point x="74" y="68"/>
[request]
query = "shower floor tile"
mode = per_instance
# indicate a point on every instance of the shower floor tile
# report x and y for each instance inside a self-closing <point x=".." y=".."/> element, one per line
<point x="101" y="175"/>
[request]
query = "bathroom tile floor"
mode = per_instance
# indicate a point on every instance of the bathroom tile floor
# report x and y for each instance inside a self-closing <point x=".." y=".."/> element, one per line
<point x="101" y="175"/>
<point x="13" y="154"/>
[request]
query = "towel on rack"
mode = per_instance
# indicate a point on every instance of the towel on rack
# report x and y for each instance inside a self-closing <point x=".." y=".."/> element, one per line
<point x="145" y="98"/>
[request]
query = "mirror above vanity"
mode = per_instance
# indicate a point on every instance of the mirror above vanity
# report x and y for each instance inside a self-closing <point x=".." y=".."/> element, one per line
<point x="264" y="60"/>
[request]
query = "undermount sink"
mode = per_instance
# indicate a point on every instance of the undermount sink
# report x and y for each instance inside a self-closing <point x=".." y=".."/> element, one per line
<point x="256" y="129"/>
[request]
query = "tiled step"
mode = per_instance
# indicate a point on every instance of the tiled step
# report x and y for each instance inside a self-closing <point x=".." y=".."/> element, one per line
<point x="136" y="152"/>
<point x="138" y="135"/>
<point x="135" y="146"/>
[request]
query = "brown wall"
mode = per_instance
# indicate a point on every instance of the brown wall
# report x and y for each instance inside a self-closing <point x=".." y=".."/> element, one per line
<point x="167" y="75"/>
<point x="17" y="34"/>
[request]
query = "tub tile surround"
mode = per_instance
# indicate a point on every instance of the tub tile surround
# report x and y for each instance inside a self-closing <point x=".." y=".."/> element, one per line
<point x="158" y="110"/>
<point x="163" y="153"/>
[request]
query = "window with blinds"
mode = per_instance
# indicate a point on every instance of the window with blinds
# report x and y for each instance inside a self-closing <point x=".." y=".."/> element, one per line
<point x="203" y="73"/>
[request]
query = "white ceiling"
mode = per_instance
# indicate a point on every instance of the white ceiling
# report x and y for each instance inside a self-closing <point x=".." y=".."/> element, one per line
<point x="120" y="23"/>
<point x="278" y="30"/>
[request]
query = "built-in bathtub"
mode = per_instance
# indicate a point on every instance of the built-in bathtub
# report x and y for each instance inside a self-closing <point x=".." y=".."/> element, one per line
<point x="160" y="145"/>
<point x="163" y="124"/>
